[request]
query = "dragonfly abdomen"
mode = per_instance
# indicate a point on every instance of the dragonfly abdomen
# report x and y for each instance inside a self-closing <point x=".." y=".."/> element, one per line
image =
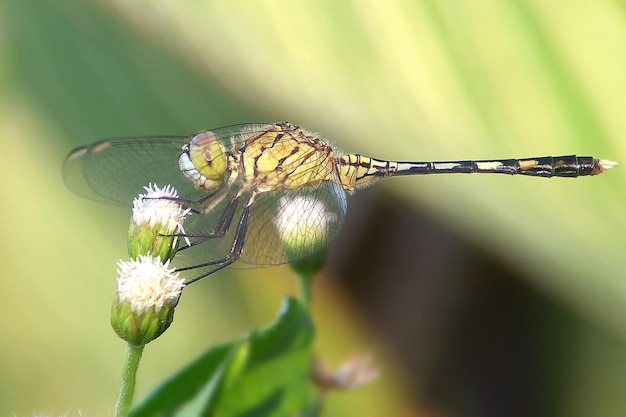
<point x="356" y="170"/>
<point x="570" y="166"/>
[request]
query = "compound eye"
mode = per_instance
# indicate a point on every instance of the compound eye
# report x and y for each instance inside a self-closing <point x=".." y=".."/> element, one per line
<point x="208" y="155"/>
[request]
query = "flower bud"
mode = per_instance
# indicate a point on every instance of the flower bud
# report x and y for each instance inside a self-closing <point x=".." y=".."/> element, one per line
<point x="147" y="294"/>
<point x="303" y="222"/>
<point x="156" y="222"/>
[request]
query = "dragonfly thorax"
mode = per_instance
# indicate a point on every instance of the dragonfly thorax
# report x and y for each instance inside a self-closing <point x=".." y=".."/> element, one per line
<point x="204" y="161"/>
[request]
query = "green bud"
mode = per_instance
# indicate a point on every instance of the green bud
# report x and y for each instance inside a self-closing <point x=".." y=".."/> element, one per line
<point x="147" y="295"/>
<point x="143" y="240"/>
<point x="140" y="328"/>
<point x="309" y="265"/>
<point x="157" y="219"/>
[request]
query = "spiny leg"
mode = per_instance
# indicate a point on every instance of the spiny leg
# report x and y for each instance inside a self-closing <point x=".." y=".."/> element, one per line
<point x="220" y="229"/>
<point x="201" y="206"/>
<point x="208" y="203"/>
<point x="236" y="248"/>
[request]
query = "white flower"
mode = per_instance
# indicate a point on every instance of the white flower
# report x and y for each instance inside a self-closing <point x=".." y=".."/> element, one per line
<point x="156" y="223"/>
<point x="303" y="221"/>
<point x="146" y="283"/>
<point x="158" y="206"/>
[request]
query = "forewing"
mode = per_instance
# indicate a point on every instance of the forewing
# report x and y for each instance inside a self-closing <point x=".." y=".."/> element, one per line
<point x="116" y="170"/>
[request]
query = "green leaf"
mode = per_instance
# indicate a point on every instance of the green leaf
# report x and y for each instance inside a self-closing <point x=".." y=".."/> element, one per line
<point x="184" y="385"/>
<point x="268" y="373"/>
<point x="265" y="374"/>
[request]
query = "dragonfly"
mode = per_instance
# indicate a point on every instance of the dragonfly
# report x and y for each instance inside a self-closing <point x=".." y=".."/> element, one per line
<point x="264" y="194"/>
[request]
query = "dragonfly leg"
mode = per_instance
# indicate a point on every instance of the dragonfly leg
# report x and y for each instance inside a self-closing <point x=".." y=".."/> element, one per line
<point x="223" y="223"/>
<point x="236" y="249"/>
<point x="220" y="229"/>
<point x="225" y="220"/>
<point x="201" y="206"/>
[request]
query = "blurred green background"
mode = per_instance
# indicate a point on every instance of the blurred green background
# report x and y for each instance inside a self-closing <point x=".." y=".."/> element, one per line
<point x="479" y="295"/>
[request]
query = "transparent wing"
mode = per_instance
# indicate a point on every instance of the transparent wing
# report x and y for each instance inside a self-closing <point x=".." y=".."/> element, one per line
<point x="284" y="224"/>
<point x="291" y="225"/>
<point x="116" y="170"/>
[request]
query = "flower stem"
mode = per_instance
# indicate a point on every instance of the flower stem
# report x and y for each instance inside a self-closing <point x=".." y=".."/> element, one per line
<point x="306" y="269"/>
<point x="129" y="377"/>
<point x="304" y="282"/>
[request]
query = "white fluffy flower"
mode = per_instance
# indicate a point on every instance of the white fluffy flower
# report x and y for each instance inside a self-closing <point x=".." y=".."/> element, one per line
<point x="158" y="206"/>
<point x="303" y="221"/>
<point x="147" y="283"/>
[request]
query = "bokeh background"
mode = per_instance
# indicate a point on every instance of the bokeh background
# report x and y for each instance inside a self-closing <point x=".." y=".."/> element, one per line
<point x="478" y="295"/>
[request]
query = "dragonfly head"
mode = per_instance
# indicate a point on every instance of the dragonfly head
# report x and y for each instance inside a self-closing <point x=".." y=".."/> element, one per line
<point x="204" y="161"/>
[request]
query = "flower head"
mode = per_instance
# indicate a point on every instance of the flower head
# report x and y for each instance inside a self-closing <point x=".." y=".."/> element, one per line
<point x="156" y="222"/>
<point x="147" y="294"/>
<point x="303" y="222"/>
<point x="159" y="206"/>
<point x="146" y="283"/>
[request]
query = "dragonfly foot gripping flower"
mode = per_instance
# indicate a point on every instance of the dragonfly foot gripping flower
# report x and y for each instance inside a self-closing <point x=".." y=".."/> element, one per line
<point x="156" y="223"/>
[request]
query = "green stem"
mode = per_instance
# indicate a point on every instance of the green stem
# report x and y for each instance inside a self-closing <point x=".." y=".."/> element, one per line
<point x="305" y="280"/>
<point x="306" y="268"/>
<point x="129" y="377"/>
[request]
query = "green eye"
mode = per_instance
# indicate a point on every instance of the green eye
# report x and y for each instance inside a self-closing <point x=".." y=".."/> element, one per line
<point x="208" y="155"/>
